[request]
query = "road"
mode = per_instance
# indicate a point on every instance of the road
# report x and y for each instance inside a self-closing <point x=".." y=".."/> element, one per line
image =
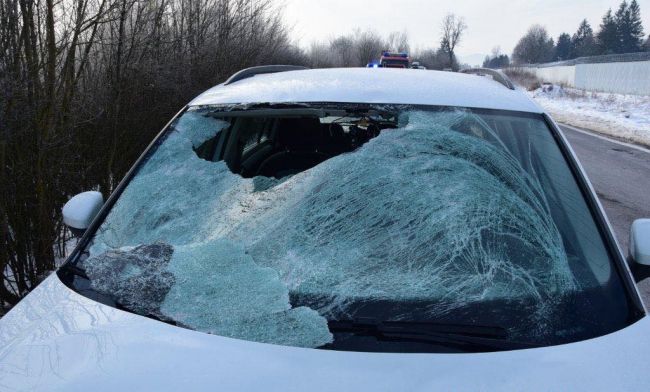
<point x="620" y="174"/>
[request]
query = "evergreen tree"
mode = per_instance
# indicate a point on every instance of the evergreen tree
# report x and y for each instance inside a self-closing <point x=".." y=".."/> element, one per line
<point x="636" y="26"/>
<point x="607" y="37"/>
<point x="583" y="42"/>
<point x="622" y="26"/>
<point x="629" y="27"/>
<point x="563" y="47"/>
<point x="503" y="61"/>
<point x="500" y="61"/>
<point x="551" y="49"/>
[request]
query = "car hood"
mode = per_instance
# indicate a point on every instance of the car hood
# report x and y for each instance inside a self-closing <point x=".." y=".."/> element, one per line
<point x="56" y="339"/>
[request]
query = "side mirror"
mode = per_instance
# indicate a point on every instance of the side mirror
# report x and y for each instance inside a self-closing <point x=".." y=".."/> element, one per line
<point x="640" y="248"/>
<point x="80" y="211"/>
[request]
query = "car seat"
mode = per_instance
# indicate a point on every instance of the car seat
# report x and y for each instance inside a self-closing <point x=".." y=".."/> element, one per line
<point x="298" y="144"/>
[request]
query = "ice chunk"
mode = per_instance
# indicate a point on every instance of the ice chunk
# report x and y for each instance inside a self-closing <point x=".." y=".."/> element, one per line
<point x="213" y="287"/>
<point x="418" y="213"/>
<point x="220" y="289"/>
<point x="137" y="278"/>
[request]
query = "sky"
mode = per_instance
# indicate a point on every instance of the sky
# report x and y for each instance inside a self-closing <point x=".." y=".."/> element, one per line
<point x="490" y="23"/>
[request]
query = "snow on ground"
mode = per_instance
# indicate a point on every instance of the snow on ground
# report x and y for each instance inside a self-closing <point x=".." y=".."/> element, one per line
<point x="60" y="255"/>
<point x="621" y="116"/>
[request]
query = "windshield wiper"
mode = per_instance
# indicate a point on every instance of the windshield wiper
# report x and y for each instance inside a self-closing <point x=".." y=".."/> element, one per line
<point x="467" y="337"/>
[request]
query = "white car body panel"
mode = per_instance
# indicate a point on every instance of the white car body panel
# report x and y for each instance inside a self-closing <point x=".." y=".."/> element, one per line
<point x="371" y="85"/>
<point x="56" y="339"/>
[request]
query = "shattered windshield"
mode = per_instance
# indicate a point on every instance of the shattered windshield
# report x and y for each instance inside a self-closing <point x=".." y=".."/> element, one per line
<point x="321" y="226"/>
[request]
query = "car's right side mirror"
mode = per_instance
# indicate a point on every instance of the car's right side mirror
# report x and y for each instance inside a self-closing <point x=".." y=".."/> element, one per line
<point x="640" y="248"/>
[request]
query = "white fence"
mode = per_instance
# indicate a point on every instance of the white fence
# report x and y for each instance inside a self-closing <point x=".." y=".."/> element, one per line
<point x="625" y="77"/>
<point x="565" y="75"/>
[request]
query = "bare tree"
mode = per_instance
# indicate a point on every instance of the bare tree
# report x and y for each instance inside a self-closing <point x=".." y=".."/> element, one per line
<point x="342" y="50"/>
<point x="320" y="56"/>
<point x="46" y="49"/>
<point x="432" y="58"/>
<point x="452" y="31"/>
<point x="398" y="41"/>
<point x="354" y="50"/>
<point x="368" y="46"/>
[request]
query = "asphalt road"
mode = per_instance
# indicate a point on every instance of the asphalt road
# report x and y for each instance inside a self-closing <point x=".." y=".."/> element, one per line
<point x="620" y="174"/>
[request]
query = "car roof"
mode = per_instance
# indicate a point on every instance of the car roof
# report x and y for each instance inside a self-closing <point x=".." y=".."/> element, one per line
<point x="371" y="85"/>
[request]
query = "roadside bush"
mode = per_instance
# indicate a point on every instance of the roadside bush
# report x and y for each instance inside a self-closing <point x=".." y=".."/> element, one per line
<point x="86" y="84"/>
<point x="523" y="78"/>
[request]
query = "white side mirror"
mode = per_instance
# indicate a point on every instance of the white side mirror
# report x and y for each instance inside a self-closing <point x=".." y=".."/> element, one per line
<point x="80" y="211"/>
<point x="640" y="241"/>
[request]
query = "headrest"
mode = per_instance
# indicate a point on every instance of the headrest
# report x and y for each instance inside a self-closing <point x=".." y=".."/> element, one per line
<point x="299" y="133"/>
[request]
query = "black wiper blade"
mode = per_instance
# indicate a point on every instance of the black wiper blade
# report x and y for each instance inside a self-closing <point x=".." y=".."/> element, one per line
<point x="360" y="324"/>
<point x="475" y="338"/>
<point x="74" y="270"/>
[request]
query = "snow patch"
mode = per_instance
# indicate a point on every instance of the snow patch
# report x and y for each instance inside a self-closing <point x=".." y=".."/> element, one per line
<point x="622" y="116"/>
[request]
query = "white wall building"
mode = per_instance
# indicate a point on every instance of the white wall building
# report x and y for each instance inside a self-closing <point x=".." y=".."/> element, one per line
<point x="624" y="74"/>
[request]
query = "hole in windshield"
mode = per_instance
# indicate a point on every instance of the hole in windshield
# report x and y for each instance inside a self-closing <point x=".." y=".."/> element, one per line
<point x="277" y="147"/>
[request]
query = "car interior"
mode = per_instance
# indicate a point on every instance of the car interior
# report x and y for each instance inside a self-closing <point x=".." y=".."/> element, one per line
<point x="282" y="145"/>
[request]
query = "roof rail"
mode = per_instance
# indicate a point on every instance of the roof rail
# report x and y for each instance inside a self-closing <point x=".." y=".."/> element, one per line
<point x="497" y="75"/>
<point x="262" y="69"/>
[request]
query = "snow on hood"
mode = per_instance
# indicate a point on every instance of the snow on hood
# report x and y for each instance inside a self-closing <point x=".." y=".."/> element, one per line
<point x="420" y="212"/>
<point x="58" y="340"/>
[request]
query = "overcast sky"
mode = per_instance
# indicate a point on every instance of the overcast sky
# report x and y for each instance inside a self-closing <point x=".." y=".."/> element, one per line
<point x="490" y="22"/>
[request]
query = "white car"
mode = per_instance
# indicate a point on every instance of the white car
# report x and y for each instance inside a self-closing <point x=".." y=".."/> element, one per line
<point x="342" y="229"/>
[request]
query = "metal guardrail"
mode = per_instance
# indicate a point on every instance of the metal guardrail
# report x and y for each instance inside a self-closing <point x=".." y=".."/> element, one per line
<point x="496" y="75"/>
<point x="263" y="69"/>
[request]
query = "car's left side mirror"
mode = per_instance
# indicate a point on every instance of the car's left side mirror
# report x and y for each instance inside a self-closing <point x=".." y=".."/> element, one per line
<point x="640" y="248"/>
<point x="79" y="212"/>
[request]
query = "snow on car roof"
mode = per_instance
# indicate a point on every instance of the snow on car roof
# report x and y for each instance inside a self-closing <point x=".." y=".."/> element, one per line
<point x="371" y="85"/>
